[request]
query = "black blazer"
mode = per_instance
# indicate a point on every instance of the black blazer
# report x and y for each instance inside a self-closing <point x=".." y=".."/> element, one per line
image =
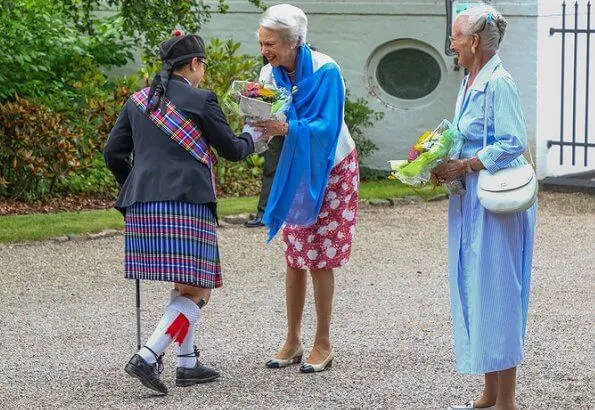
<point x="161" y="169"/>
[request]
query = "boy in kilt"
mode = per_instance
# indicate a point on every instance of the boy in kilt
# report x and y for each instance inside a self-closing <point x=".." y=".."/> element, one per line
<point x="160" y="153"/>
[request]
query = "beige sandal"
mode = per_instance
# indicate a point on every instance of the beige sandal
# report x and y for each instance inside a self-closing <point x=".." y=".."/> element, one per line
<point x="295" y="358"/>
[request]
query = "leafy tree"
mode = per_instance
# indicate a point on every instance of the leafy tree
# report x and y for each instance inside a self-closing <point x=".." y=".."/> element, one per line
<point x="148" y="22"/>
<point x="42" y="53"/>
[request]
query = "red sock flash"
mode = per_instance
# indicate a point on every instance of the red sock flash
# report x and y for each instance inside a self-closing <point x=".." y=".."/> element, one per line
<point x="178" y="329"/>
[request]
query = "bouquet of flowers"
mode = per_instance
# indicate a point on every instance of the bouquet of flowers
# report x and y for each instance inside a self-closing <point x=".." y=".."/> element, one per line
<point x="430" y="150"/>
<point x="257" y="101"/>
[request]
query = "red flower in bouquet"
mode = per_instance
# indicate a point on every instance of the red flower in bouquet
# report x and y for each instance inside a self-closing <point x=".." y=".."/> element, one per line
<point x="251" y="90"/>
<point x="257" y="90"/>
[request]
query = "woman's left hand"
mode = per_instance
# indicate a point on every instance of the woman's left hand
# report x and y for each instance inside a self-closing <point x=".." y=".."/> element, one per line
<point x="449" y="170"/>
<point x="270" y="128"/>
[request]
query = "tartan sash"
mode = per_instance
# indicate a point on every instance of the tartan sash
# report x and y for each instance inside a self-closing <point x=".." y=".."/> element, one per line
<point x="180" y="129"/>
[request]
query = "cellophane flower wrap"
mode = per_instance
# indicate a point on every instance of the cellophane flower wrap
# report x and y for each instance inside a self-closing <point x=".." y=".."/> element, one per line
<point x="431" y="149"/>
<point x="257" y="101"/>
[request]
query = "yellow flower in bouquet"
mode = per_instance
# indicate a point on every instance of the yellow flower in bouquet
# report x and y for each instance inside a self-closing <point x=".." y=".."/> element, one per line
<point x="266" y="93"/>
<point x="420" y="142"/>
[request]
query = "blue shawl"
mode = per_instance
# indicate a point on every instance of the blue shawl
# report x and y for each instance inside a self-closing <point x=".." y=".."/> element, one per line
<point x="315" y="119"/>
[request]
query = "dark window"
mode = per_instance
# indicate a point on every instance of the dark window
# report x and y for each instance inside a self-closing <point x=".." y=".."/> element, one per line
<point x="408" y="73"/>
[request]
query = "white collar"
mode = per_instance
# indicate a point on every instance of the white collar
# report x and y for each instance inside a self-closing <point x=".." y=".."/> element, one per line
<point x="479" y="84"/>
<point x="189" y="83"/>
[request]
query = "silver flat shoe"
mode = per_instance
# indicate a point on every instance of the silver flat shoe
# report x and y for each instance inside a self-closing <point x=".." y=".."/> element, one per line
<point x="295" y="358"/>
<point x="468" y="406"/>
<point x="315" y="368"/>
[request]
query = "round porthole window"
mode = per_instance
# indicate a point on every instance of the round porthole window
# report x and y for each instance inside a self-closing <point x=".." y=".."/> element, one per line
<point x="405" y="73"/>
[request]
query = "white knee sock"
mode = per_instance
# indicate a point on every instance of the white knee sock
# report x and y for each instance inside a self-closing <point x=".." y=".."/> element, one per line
<point x="173" y="294"/>
<point x="187" y="348"/>
<point x="173" y="326"/>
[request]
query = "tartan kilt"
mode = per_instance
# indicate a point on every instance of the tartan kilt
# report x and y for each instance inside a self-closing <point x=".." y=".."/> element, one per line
<point x="172" y="241"/>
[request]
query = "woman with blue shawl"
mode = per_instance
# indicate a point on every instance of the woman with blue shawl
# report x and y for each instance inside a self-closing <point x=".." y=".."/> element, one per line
<point x="314" y="195"/>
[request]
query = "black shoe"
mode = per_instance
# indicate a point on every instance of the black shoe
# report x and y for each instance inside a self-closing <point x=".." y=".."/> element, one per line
<point x="148" y="374"/>
<point x="188" y="376"/>
<point x="254" y="223"/>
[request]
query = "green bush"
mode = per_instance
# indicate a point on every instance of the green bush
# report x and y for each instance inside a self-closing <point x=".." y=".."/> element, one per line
<point x="59" y="153"/>
<point x="370" y="174"/>
<point x="358" y="117"/>
<point x="92" y="179"/>
<point x="37" y="148"/>
<point x="242" y="178"/>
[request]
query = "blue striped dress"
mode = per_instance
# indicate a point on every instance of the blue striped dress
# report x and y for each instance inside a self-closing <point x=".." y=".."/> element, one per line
<point x="172" y="241"/>
<point x="489" y="255"/>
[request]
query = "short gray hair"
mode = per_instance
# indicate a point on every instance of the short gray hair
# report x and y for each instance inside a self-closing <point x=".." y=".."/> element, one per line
<point x="288" y="19"/>
<point x="486" y="22"/>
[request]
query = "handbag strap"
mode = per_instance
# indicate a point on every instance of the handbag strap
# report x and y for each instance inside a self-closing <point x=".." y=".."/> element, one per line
<point x="485" y="115"/>
<point x="488" y="100"/>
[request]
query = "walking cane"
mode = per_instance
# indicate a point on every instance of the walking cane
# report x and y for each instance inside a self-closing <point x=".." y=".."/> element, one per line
<point x="138" y="314"/>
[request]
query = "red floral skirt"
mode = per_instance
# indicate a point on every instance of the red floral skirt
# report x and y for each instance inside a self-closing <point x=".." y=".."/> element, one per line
<point x="327" y="243"/>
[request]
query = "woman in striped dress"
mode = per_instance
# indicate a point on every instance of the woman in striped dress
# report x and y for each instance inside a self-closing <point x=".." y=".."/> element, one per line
<point x="490" y="255"/>
<point x="160" y="152"/>
<point x="315" y="190"/>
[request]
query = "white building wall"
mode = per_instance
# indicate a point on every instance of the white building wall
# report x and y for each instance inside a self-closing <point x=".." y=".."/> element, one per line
<point x="350" y="32"/>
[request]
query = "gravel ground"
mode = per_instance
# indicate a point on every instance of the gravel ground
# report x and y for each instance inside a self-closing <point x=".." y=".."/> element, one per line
<point x="68" y="321"/>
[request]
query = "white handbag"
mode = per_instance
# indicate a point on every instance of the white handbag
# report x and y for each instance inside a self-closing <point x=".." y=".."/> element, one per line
<point x="507" y="190"/>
